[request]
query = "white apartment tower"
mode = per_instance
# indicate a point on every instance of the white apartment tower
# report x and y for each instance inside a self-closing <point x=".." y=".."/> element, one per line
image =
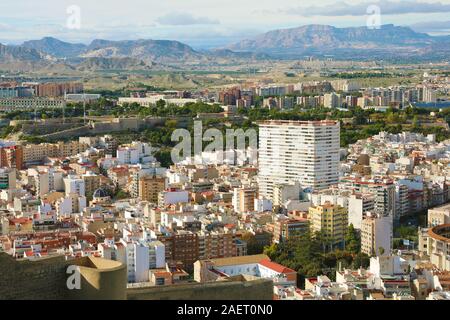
<point x="303" y="151"/>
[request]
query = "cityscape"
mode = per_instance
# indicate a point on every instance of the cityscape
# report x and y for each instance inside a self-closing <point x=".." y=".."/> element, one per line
<point x="301" y="162"/>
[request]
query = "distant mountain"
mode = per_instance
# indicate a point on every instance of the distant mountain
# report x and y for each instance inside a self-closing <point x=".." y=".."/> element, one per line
<point x="96" y="64"/>
<point x="350" y="42"/>
<point x="162" y="51"/>
<point x="144" y="53"/>
<point x="113" y="55"/>
<point x="21" y="58"/>
<point x="229" y="54"/>
<point x="55" y="47"/>
<point x="389" y="42"/>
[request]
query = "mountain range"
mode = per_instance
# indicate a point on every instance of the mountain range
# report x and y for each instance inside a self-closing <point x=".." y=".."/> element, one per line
<point x="387" y="42"/>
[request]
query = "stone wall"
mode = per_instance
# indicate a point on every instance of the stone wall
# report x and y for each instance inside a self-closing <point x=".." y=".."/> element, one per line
<point x="101" y="279"/>
<point x="70" y="133"/>
<point x="115" y="125"/>
<point x="30" y="280"/>
<point x="46" y="279"/>
<point x="261" y="289"/>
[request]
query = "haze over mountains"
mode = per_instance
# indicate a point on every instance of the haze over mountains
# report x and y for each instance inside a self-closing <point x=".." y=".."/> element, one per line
<point x="387" y="42"/>
<point x="354" y="42"/>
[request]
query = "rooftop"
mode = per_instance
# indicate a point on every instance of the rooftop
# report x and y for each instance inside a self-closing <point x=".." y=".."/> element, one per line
<point x="299" y="123"/>
<point x="275" y="266"/>
<point x="239" y="260"/>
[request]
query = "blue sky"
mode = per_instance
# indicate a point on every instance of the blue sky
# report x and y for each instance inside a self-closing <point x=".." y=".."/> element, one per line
<point x="203" y="23"/>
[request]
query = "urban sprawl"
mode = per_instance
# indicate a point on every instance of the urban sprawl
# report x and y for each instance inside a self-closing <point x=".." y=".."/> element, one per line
<point x="345" y="196"/>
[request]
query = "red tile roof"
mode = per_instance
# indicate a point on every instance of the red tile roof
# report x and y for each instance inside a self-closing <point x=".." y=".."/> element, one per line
<point x="275" y="266"/>
<point x="15" y="221"/>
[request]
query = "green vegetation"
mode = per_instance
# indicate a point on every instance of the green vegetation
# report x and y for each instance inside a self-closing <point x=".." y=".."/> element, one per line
<point x="161" y="110"/>
<point x="164" y="157"/>
<point x="253" y="247"/>
<point x="357" y="123"/>
<point x="121" y="194"/>
<point x="72" y="110"/>
<point x="357" y="75"/>
<point x="32" y="139"/>
<point x="352" y="240"/>
<point x="7" y="130"/>
<point x="307" y="254"/>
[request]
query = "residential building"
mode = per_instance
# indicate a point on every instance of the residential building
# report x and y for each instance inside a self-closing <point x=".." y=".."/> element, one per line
<point x="376" y="235"/>
<point x="329" y="220"/>
<point x="303" y="151"/>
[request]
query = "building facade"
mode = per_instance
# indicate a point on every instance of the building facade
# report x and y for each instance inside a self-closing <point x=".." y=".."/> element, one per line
<point x="304" y="151"/>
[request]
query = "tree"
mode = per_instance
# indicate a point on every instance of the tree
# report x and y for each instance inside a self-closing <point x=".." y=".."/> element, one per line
<point x="160" y="103"/>
<point x="415" y="124"/>
<point x="253" y="247"/>
<point x="121" y="194"/>
<point x="271" y="251"/>
<point x="171" y="123"/>
<point x="352" y="240"/>
<point x="406" y="232"/>
<point x="361" y="260"/>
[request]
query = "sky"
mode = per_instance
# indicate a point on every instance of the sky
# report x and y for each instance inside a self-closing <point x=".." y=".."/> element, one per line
<point x="203" y="23"/>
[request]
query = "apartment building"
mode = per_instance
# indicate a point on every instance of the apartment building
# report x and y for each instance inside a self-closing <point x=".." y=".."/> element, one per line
<point x="150" y="186"/>
<point x="376" y="235"/>
<point x="332" y="100"/>
<point x="12" y="156"/>
<point x="244" y="199"/>
<point x="357" y="204"/>
<point x="384" y="192"/>
<point x="31" y="103"/>
<point x="438" y="216"/>
<point x="74" y="184"/>
<point x="92" y="182"/>
<point x="285" y="228"/>
<point x="47" y="180"/>
<point x="36" y="153"/>
<point x="330" y="220"/>
<point x="57" y="89"/>
<point x="216" y="244"/>
<point x="140" y="171"/>
<point x="181" y="247"/>
<point x="304" y="151"/>
<point x="8" y="178"/>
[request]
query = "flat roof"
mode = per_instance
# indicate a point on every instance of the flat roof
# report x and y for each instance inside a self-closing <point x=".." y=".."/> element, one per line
<point x="221" y="262"/>
<point x="298" y="123"/>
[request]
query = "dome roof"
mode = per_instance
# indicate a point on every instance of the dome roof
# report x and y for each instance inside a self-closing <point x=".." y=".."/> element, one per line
<point x="100" y="193"/>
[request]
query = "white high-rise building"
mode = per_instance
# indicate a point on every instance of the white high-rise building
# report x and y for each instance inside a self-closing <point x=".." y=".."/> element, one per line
<point x="303" y="151"/>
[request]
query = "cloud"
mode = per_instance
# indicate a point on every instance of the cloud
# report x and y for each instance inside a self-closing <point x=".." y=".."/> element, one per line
<point x="184" y="19"/>
<point x="432" y="27"/>
<point x="387" y="7"/>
